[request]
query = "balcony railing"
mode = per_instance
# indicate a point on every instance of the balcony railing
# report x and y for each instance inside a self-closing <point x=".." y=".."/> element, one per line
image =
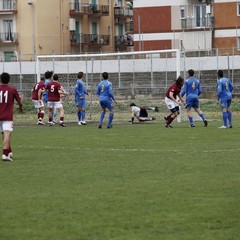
<point x="90" y="39"/>
<point x="8" y="6"/>
<point x="78" y="8"/>
<point x="125" y="40"/>
<point x="193" y="23"/>
<point x="7" y="38"/>
<point x="121" y="12"/>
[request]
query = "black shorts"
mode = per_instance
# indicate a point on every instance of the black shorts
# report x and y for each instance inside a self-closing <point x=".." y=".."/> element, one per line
<point x="143" y="112"/>
<point x="176" y="109"/>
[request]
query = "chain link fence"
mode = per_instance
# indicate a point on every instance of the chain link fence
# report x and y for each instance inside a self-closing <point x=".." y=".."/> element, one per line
<point x="140" y="77"/>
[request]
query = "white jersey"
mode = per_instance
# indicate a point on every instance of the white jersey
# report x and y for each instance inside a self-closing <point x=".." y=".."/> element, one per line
<point x="135" y="111"/>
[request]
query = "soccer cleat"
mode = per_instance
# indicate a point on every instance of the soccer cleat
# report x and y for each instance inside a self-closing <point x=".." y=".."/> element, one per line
<point x="10" y="155"/>
<point x="109" y="126"/>
<point x="83" y="123"/>
<point x="168" y="126"/>
<point x="40" y="123"/>
<point x="62" y="124"/>
<point x="100" y="126"/>
<point x="156" y="109"/>
<point x="223" y="127"/>
<point x="192" y="125"/>
<point x="50" y="124"/>
<point x="205" y="123"/>
<point x="6" y="158"/>
<point x="79" y="123"/>
<point x="230" y="126"/>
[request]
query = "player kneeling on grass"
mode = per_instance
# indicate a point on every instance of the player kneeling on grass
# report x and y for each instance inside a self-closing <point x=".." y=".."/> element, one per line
<point x="37" y="92"/>
<point x="141" y="113"/>
<point x="55" y="90"/>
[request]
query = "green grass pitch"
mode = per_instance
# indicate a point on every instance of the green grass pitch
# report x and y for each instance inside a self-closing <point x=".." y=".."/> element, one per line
<point x="131" y="182"/>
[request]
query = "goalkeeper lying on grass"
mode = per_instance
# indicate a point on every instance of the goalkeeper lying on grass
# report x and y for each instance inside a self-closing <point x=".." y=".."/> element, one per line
<point x="141" y="113"/>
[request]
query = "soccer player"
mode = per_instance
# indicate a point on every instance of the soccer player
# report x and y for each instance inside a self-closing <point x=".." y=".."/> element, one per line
<point x="173" y="99"/>
<point x="192" y="89"/>
<point x="141" y="113"/>
<point x="80" y="99"/>
<point x="37" y="92"/>
<point x="55" y="90"/>
<point x="106" y="97"/>
<point x="48" y="78"/>
<point x="224" y="96"/>
<point x="7" y="96"/>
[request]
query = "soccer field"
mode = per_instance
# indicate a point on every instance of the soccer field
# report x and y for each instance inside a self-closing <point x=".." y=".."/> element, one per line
<point x="141" y="181"/>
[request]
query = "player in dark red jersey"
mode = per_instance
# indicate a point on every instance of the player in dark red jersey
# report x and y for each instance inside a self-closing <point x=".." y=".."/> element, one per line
<point x="55" y="90"/>
<point x="37" y="92"/>
<point x="173" y="99"/>
<point x="7" y="96"/>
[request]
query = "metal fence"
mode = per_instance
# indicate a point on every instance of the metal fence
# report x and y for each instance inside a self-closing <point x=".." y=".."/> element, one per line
<point x="142" y="77"/>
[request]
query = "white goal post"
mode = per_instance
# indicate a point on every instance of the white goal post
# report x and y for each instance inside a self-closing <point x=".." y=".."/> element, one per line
<point x="142" y="77"/>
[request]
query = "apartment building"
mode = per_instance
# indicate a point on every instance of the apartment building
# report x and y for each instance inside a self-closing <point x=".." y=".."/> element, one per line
<point x="186" y="24"/>
<point x="34" y="27"/>
<point x="39" y="27"/>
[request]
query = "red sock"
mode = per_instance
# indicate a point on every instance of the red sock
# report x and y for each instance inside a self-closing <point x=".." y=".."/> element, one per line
<point x="6" y="152"/>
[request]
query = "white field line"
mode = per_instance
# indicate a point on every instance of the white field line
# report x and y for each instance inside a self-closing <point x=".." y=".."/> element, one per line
<point x="124" y="149"/>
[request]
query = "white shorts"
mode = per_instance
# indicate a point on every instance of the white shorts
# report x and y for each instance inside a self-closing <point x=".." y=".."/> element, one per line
<point x="54" y="104"/>
<point x="170" y="103"/>
<point x="38" y="104"/>
<point x="6" y="126"/>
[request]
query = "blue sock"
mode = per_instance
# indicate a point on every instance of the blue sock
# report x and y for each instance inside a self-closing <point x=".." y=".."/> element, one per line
<point x="102" y="117"/>
<point x="110" y="119"/>
<point x="83" y="115"/>
<point x="225" y="116"/>
<point x="202" y="116"/>
<point x="191" y="120"/>
<point x="79" y="116"/>
<point x="229" y="113"/>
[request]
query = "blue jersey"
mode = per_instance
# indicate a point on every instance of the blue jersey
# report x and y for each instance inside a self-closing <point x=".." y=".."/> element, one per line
<point x="104" y="90"/>
<point x="45" y="93"/>
<point x="191" y="88"/>
<point x="80" y="90"/>
<point x="224" y="89"/>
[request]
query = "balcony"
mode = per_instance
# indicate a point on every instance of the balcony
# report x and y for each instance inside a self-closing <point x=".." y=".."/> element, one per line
<point x="123" y="13"/>
<point x="96" y="10"/>
<point x="8" y="38"/>
<point x="89" y="39"/>
<point x="8" y="6"/>
<point x="198" y="23"/>
<point x="124" y="41"/>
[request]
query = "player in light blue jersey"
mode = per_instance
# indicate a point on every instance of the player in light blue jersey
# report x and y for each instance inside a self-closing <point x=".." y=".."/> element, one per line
<point x="192" y="89"/>
<point x="48" y="78"/>
<point x="106" y="97"/>
<point x="80" y="99"/>
<point x="224" y="96"/>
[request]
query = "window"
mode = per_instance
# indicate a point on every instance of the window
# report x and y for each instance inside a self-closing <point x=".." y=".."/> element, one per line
<point x="238" y="8"/>
<point x="182" y="12"/>
<point x="8" y="26"/>
<point x="238" y="42"/>
<point x="7" y="4"/>
<point x="8" y="56"/>
<point x="200" y="15"/>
